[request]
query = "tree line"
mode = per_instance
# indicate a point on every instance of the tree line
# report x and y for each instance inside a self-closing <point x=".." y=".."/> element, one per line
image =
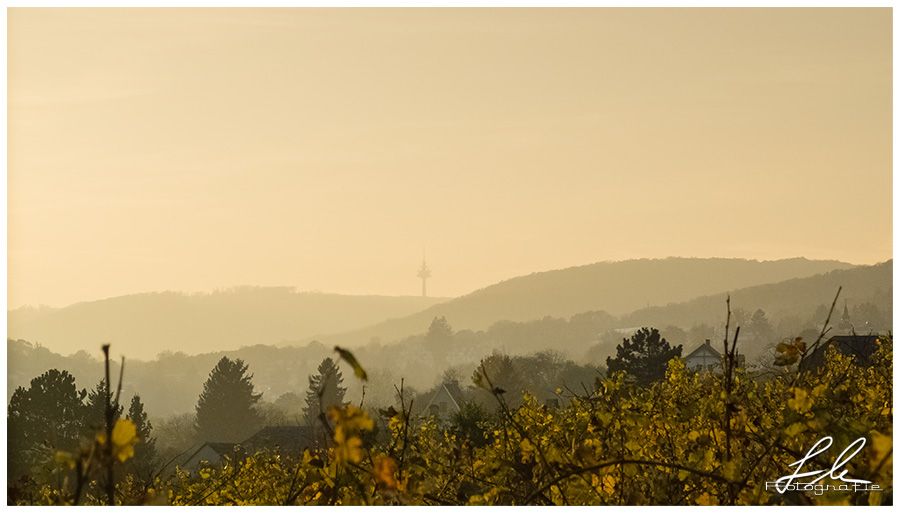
<point x="52" y="418"/>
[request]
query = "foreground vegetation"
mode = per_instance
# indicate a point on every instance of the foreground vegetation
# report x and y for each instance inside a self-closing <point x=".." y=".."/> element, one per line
<point x="690" y="439"/>
<point x="681" y="438"/>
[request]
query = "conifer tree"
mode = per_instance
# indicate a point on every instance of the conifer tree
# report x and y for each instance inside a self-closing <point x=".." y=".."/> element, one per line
<point x="759" y="330"/>
<point x="644" y="357"/>
<point x="95" y="408"/>
<point x="439" y="332"/>
<point x="46" y="416"/>
<point x="226" y="409"/>
<point x="145" y="450"/>
<point x="324" y="390"/>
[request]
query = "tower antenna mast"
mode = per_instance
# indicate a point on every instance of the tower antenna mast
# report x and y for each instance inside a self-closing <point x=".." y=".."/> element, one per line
<point x="424" y="274"/>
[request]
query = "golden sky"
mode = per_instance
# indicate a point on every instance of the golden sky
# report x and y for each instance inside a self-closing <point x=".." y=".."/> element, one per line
<point x="324" y="149"/>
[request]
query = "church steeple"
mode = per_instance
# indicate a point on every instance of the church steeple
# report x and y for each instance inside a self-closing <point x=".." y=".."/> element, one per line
<point x="846" y="326"/>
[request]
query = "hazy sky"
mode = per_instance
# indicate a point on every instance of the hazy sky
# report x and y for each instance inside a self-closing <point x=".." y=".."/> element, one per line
<point x="191" y="150"/>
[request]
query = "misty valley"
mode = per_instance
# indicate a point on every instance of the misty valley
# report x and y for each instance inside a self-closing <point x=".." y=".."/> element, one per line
<point x="573" y="386"/>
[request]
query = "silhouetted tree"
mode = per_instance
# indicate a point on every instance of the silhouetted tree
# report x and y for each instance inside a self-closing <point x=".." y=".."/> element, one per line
<point x="758" y="328"/>
<point x="438" y="341"/>
<point x="644" y="356"/>
<point x="498" y="368"/>
<point x="471" y="423"/>
<point x="226" y="409"/>
<point x="95" y="409"/>
<point x="290" y="404"/>
<point x="452" y="375"/>
<point x="145" y="451"/>
<point x="324" y="390"/>
<point x="175" y="434"/>
<point x="540" y="371"/>
<point x="439" y="332"/>
<point x="47" y="416"/>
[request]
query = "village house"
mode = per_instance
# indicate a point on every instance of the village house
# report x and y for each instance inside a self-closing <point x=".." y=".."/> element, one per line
<point x="706" y="358"/>
<point x="860" y="347"/>
<point x="286" y="440"/>
<point x="209" y="453"/>
<point x="445" y="402"/>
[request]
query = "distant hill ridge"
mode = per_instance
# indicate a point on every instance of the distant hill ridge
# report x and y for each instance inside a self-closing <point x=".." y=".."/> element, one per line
<point x="142" y="325"/>
<point x="798" y="297"/>
<point x="614" y="287"/>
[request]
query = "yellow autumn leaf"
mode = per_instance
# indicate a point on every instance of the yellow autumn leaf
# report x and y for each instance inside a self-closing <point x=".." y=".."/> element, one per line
<point x="788" y="353"/>
<point x="384" y="469"/>
<point x="351" y="418"/>
<point x="705" y="499"/>
<point x="348" y="449"/>
<point x="609" y="484"/>
<point x="795" y="429"/>
<point x="124" y="436"/>
<point x="348" y="357"/>
<point x="801" y="402"/>
<point x="526" y="448"/>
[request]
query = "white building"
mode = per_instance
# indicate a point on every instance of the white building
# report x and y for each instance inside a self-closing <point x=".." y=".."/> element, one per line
<point x="704" y="357"/>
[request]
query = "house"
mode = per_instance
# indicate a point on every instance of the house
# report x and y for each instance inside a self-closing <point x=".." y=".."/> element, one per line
<point x="444" y="402"/>
<point x="208" y="453"/>
<point x="285" y="440"/>
<point x="705" y="357"/>
<point x="860" y="347"/>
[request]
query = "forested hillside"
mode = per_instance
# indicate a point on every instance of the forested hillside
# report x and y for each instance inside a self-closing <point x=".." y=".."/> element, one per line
<point x="796" y="304"/>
